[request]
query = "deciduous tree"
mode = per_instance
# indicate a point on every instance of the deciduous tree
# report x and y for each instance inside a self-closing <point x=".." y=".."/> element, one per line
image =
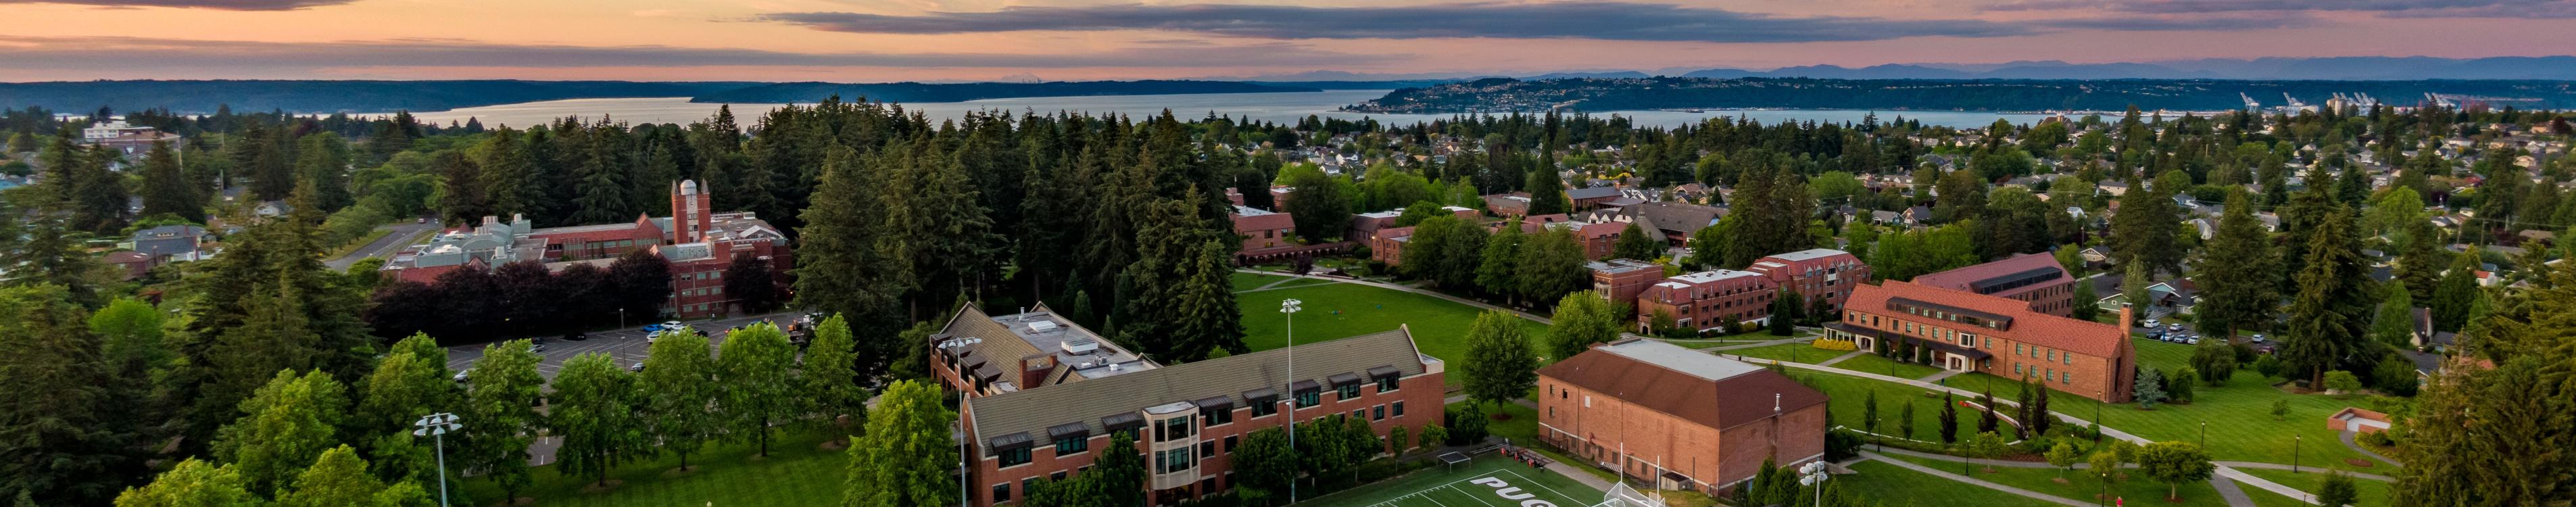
<point x="755" y="368"/>
<point x="1500" y="365"/>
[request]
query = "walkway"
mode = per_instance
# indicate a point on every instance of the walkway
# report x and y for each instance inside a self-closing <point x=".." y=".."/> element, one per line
<point x="1974" y="481"/>
<point x="2365" y="451"/>
<point x="1840" y="358"/>
<point x="2278" y="466"/>
<point x="1936" y="378"/>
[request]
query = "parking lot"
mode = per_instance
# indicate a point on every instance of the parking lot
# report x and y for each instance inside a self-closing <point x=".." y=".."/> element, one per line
<point x="627" y="345"/>
<point x="2184" y="333"/>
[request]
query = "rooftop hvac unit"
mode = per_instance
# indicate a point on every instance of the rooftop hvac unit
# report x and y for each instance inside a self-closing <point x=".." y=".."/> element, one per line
<point x="1080" y="347"/>
<point x="1043" y="326"/>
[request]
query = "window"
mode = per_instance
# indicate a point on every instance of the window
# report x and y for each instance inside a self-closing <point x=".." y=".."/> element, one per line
<point x="2070" y="359"/>
<point x="1057" y="476"/>
<point x="1310" y="398"/>
<point x="1175" y="460"/>
<point x="1229" y="444"/>
<point x="1002" y="492"/>
<point x="1350" y="392"/>
<point x="1028" y="485"/>
<point x="1359" y="413"/>
<point x="1399" y="409"/>
<point x="1388" y="383"/>
<point x="1207" y="449"/>
<point x="1264" y="409"/>
<point x="1377" y="413"/>
<point x="1172" y="429"/>
<point x="1216" y="416"/>
<point x="1072" y="445"/>
<point x="1014" y="457"/>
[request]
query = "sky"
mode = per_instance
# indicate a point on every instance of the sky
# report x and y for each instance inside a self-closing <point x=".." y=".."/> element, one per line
<point x="950" y="40"/>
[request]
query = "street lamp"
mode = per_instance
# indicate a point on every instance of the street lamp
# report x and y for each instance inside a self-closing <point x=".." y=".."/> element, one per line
<point x="1288" y="310"/>
<point x="2204" y="435"/>
<point x="2104" y="395"/>
<point x="1814" y="474"/>
<point x="436" y="427"/>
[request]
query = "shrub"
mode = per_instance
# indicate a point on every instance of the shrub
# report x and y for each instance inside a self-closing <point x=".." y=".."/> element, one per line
<point x="1466" y="424"/>
<point x="1842" y="345"/>
<point x="2268" y="366"/>
<point x="2340" y="381"/>
<point x="1841" y="445"/>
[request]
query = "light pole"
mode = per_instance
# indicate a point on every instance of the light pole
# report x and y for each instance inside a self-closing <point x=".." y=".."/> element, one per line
<point x="2294" y="452"/>
<point x="2098" y="426"/>
<point x="1288" y="309"/>
<point x="2204" y="435"/>
<point x="1814" y="474"/>
<point x="436" y="427"/>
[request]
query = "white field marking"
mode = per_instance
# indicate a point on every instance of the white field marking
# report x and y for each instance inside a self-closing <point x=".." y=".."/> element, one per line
<point x="1541" y="485"/>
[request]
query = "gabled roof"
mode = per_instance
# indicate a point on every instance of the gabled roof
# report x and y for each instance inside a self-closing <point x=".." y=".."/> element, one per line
<point x="1035" y="410"/>
<point x="2084" y="336"/>
<point x="2030" y="271"/>
<point x="1591" y="193"/>
<point x="1693" y="385"/>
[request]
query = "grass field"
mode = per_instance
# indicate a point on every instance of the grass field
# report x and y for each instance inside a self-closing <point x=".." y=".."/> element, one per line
<point x="1791" y="352"/>
<point x="1342" y="310"/>
<point x="2239" y="413"/>
<point x="1894" y="486"/>
<point x="1488" y="481"/>
<point x="1248" y="281"/>
<point x="2373" y="493"/>
<point x="795" y="473"/>
<point x="2138" y="490"/>
<point x="1850" y="400"/>
<point x="1874" y="363"/>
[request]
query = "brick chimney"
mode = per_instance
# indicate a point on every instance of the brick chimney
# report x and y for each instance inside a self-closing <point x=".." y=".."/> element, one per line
<point x="1034" y="369"/>
<point x="2126" y="316"/>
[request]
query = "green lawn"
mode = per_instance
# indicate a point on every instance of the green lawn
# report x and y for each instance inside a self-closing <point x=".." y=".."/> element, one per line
<point x="795" y="473"/>
<point x="1439" y="486"/>
<point x="1342" y="310"/>
<point x="2239" y="413"/>
<point x="1874" y="363"/>
<point x="1248" y="281"/>
<point x="2137" y="489"/>
<point x="1791" y="352"/>
<point x="1850" y="399"/>
<point x="2373" y="493"/>
<point x="1894" y="486"/>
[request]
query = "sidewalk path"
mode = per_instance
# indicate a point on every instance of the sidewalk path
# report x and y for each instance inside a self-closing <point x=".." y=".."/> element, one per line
<point x="2227" y="489"/>
<point x="1840" y="358"/>
<point x="2278" y="466"/>
<point x="2365" y="451"/>
<point x="1975" y="481"/>
<point x="1936" y="378"/>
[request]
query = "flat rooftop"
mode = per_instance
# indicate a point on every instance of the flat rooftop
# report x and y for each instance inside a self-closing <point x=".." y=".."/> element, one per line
<point x="1677" y="358"/>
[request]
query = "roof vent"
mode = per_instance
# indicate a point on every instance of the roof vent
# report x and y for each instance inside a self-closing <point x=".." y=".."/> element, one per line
<point x="1081" y="346"/>
<point x="1043" y="326"/>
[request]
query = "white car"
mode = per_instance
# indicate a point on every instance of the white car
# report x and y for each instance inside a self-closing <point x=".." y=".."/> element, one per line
<point x="460" y="374"/>
<point x="2151" y="323"/>
<point x="2258" y="338"/>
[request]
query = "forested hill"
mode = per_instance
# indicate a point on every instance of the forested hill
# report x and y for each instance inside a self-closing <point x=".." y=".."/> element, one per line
<point x="317" y="96"/>
<point x="1503" y="94"/>
<point x="960" y="92"/>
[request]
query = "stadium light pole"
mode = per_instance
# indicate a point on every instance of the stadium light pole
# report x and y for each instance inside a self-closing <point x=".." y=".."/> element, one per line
<point x="1814" y="474"/>
<point x="436" y="427"/>
<point x="1289" y="308"/>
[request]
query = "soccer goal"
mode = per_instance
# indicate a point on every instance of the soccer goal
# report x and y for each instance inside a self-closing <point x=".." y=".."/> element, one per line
<point x="1624" y="496"/>
<point x="1453" y="458"/>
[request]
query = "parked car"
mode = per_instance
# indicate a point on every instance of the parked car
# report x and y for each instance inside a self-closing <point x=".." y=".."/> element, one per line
<point x="2191" y="341"/>
<point x="576" y="336"/>
<point x="638" y="367"/>
<point x="460" y="374"/>
<point x="2151" y="323"/>
<point x="2258" y="338"/>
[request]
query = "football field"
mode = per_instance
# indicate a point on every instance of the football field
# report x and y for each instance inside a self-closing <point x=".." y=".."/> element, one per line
<point x="1486" y="481"/>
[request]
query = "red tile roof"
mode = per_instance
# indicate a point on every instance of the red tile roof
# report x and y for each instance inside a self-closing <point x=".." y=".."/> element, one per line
<point x="1721" y="404"/>
<point x="1268" y="222"/>
<point x="2081" y="336"/>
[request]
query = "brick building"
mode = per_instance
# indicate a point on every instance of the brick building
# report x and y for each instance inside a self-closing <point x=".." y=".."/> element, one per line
<point x="1676" y="417"/>
<point x="1620" y="280"/>
<point x="1820" y="273"/>
<point x="1966" y="331"/>
<point x="1708" y="300"/>
<point x="977" y="354"/>
<point x="699" y="243"/>
<point x="1188" y="418"/>
<point x="2035" y="278"/>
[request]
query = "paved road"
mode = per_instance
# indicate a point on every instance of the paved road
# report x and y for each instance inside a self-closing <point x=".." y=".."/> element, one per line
<point x="627" y="345"/>
<point x="383" y="246"/>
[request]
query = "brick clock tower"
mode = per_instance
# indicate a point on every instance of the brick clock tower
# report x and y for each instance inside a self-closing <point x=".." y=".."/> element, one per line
<point x="691" y="210"/>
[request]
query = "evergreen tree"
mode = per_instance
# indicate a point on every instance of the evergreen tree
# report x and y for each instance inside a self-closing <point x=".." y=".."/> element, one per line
<point x="1319" y="204"/>
<point x="60" y="448"/>
<point x="2326" y="319"/>
<point x="2394" y="322"/>
<point x="2236" y="273"/>
<point x="323" y="162"/>
<point x="337" y="479"/>
<point x="755" y="370"/>
<point x="1208" y="319"/>
<point x="2338" y="491"/>
<point x="1546" y="190"/>
<point x="462" y="198"/>
<point x="98" y="198"/>
<point x="166" y="190"/>
<point x="838" y="270"/>
<point x="1987" y="421"/>
<point x="508" y="176"/>
<point x="1949" y="419"/>
<point x="501" y="392"/>
<point x="1582" y="319"/>
<point x="1905" y="421"/>
<point x="2149" y="388"/>
<point x="284" y="427"/>
<point x="50" y="256"/>
<point x="594" y="411"/>
<point x="601" y="196"/>
<point x="2086" y="303"/>
<point x="680" y="389"/>
<point x="2457" y="291"/>
<point x="1500" y="365"/>
<point x="2215" y="360"/>
<point x="2420" y="260"/>
<point x="905" y="457"/>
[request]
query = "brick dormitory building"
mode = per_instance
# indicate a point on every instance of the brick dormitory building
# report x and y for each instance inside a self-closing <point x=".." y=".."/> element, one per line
<point x="1676" y="418"/>
<point x="1043" y="397"/>
<point x="1966" y="331"/>
<point x="2036" y="278"/>
<point x="698" y="241"/>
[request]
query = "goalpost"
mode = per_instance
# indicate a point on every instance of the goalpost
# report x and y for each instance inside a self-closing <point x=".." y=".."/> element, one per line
<point x="1624" y="496"/>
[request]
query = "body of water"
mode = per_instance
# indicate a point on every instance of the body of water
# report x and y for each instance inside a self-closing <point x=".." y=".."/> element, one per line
<point x="1274" y="107"/>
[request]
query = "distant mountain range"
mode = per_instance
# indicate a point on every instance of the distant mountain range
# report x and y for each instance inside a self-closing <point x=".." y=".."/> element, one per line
<point x="2370" y="68"/>
<point x="312" y="96"/>
<point x="961" y="92"/>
